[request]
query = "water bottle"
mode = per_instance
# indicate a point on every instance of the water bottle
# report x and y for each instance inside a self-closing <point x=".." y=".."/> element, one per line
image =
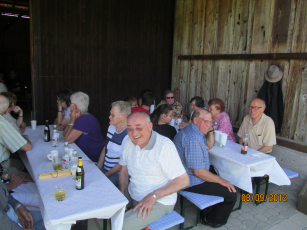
<point x="74" y="164"/>
<point x="55" y="139"/>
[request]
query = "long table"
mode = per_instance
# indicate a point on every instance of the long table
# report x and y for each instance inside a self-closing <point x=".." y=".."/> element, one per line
<point x="237" y="168"/>
<point x="99" y="198"/>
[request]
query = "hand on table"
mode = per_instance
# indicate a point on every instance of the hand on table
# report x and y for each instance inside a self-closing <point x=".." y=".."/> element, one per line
<point x="228" y="185"/>
<point x="25" y="217"/>
<point x="145" y="205"/>
<point x="60" y="127"/>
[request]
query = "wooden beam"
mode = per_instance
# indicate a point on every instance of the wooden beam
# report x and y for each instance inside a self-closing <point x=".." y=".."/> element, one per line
<point x="244" y="56"/>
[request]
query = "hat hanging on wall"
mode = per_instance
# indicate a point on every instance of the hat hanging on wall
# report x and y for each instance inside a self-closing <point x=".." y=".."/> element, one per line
<point x="274" y="74"/>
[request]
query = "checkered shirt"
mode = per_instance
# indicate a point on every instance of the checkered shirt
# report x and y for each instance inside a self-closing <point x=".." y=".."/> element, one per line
<point x="191" y="145"/>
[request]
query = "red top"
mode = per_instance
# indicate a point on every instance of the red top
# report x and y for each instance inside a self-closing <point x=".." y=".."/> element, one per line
<point x="139" y="109"/>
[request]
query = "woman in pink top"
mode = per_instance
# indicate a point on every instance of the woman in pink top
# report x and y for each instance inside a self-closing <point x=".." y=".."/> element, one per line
<point x="220" y="119"/>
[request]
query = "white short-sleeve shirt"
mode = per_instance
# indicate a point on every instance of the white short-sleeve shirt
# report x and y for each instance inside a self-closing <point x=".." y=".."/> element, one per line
<point x="11" y="119"/>
<point x="66" y="112"/>
<point x="152" y="167"/>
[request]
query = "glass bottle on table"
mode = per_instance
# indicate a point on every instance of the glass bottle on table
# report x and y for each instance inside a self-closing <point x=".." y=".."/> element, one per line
<point x="80" y="175"/>
<point x="47" y="132"/>
<point x="244" y="147"/>
<point x="74" y="164"/>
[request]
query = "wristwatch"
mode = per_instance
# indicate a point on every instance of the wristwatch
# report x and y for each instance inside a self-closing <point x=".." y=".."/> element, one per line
<point x="154" y="195"/>
<point x="211" y="130"/>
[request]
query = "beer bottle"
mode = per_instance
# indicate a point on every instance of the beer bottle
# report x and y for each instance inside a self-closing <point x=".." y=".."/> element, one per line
<point x="244" y="144"/>
<point x="80" y="175"/>
<point x="47" y="132"/>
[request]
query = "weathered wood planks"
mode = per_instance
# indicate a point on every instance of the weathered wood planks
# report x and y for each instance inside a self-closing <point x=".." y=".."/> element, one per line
<point x="241" y="40"/>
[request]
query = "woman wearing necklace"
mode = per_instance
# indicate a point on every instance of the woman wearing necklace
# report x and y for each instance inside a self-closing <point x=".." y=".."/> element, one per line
<point x="83" y="128"/>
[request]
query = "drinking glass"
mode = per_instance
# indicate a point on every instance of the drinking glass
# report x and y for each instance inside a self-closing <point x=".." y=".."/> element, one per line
<point x="57" y="163"/>
<point x="60" y="192"/>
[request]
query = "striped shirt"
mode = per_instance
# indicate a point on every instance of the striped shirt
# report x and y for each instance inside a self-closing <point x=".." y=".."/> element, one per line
<point x="116" y="142"/>
<point x="10" y="139"/>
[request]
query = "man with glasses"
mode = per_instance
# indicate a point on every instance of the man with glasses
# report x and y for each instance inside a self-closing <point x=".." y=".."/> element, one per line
<point x="151" y="164"/>
<point x="192" y="145"/>
<point x="259" y="127"/>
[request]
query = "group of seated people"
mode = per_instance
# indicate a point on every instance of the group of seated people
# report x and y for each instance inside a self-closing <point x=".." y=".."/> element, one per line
<point x="143" y="155"/>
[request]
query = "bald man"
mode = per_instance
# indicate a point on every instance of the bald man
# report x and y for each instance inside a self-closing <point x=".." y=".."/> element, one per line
<point x="150" y="176"/>
<point x="260" y="128"/>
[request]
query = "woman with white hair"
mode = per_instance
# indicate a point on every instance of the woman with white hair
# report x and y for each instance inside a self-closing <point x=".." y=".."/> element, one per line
<point x="116" y="139"/>
<point x="83" y="128"/>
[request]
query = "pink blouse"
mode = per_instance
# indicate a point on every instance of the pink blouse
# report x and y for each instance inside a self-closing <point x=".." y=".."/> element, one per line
<point x="223" y="124"/>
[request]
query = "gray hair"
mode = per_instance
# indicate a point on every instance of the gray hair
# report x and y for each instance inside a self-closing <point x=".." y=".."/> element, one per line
<point x="81" y="99"/>
<point x="4" y="104"/>
<point x="123" y="106"/>
<point x="198" y="112"/>
<point x="145" y="115"/>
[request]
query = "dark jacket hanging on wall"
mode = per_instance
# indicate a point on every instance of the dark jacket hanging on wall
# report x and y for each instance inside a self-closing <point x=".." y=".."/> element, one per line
<point x="271" y="93"/>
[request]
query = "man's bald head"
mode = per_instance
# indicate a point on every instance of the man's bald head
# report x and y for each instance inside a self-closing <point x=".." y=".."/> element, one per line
<point x="258" y="100"/>
<point x="139" y="128"/>
<point x="4" y="104"/>
<point x="199" y="112"/>
<point x="256" y="108"/>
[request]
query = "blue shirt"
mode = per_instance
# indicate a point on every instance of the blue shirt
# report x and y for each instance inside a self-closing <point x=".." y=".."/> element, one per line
<point x="191" y="145"/>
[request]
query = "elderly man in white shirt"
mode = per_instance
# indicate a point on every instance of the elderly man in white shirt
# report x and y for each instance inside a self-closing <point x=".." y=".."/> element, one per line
<point x="155" y="170"/>
<point x="11" y="140"/>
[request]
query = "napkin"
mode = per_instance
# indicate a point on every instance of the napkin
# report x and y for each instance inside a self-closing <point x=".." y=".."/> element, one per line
<point x="54" y="174"/>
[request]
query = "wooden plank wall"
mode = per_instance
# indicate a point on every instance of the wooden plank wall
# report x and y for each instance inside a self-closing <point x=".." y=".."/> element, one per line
<point x="242" y="27"/>
<point x="107" y="49"/>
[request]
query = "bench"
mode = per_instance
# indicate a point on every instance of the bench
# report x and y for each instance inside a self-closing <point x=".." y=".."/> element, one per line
<point x="201" y="201"/>
<point x="166" y="222"/>
<point x="266" y="178"/>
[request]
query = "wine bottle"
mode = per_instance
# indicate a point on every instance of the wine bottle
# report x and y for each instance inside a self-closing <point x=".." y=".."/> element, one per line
<point x="80" y="175"/>
<point x="47" y="132"/>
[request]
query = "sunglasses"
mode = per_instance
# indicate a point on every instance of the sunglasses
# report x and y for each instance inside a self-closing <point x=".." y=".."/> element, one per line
<point x="168" y="98"/>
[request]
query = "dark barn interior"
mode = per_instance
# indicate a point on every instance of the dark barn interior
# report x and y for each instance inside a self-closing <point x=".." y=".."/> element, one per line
<point x="107" y="49"/>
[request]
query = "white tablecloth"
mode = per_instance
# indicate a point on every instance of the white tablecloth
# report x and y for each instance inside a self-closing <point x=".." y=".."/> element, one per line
<point x="237" y="168"/>
<point x="99" y="198"/>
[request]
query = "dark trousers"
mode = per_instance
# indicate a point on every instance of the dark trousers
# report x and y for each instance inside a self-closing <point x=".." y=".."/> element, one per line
<point x="220" y="212"/>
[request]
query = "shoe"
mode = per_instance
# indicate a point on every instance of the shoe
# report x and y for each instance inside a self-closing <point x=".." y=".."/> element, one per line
<point x="204" y="221"/>
<point x="204" y="212"/>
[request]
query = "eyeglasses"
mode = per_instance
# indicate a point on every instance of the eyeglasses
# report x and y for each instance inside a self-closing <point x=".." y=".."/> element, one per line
<point x="138" y="129"/>
<point x="113" y="115"/>
<point x="206" y="121"/>
<point x="168" y="98"/>
<point x="254" y="107"/>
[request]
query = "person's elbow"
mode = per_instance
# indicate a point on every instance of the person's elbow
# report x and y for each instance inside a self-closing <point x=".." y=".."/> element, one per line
<point x="269" y="148"/>
<point x="209" y="147"/>
<point x="69" y="140"/>
<point x="27" y="147"/>
<point x="185" y="180"/>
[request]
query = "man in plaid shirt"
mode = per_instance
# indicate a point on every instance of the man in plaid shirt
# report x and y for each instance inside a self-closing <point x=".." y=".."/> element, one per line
<point x="192" y="146"/>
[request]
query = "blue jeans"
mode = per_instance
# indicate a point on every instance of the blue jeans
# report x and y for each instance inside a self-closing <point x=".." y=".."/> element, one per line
<point x="113" y="178"/>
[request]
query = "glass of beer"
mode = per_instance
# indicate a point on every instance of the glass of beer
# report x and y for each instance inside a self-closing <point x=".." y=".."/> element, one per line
<point x="57" y="163"/>
<point x="60" y="192"/>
